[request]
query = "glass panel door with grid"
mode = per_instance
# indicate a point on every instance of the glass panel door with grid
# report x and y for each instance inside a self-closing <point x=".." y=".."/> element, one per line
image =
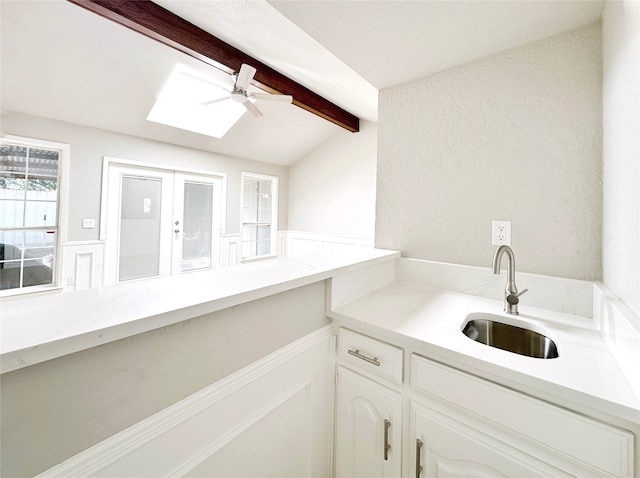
<point x="160" y="222"/>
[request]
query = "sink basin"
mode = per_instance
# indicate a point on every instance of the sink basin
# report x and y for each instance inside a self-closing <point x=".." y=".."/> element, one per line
<point x="491" y="330"/>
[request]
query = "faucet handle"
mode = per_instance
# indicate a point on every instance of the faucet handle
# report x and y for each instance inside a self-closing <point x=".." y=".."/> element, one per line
<point x="513" y="299"/>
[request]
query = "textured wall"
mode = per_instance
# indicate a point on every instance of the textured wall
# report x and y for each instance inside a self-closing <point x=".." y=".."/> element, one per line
<point x="621" y="150"/>
<point x="333" y="189"/>
<point x="515" y="136"/>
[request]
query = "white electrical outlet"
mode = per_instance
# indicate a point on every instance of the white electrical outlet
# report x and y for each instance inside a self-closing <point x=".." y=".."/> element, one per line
<point x="501" y="233"/>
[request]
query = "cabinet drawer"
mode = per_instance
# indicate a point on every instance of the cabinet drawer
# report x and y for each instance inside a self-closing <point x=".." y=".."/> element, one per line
<point x="604" y="449"/>
<point x="371" y="354"/>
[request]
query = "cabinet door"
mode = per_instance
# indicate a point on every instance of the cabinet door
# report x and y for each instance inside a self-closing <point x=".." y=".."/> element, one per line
<point x="444" y="447"/>
<point x="368" y="428"/>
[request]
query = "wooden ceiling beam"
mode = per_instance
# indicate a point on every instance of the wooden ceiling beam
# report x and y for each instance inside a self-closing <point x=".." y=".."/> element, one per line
<point x="154" y="21"/>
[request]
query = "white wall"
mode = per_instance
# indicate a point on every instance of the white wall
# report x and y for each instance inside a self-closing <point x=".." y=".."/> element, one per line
<point x="332" y="189"/>
<point x="55" y="409"/>
<point x="89" y="145"/>
<point x="621" y="150"/>
<point x="515" y="136"/>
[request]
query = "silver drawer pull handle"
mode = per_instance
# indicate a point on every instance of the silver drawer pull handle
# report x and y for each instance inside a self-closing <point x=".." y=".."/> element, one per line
<point x="387" y="447"/>
<point x="418" y="465"/>
<point x="356" y="353"/>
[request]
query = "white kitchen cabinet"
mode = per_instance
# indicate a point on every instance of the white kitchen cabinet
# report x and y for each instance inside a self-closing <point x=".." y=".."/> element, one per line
<point x="465" y="419"/>
<point x="444" y="447"/>
<point x="459" y="425"/>
<point x="368" y="428"/>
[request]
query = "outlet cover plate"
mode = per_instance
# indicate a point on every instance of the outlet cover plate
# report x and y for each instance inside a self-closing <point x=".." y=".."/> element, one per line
<point x="500" y="233"/>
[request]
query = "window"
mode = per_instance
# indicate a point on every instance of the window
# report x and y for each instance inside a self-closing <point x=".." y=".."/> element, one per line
<point x="259" y="215"/>
<point x="29" y="213"/>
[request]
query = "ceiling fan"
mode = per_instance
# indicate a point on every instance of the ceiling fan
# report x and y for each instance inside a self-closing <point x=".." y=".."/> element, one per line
<point x="240" y="94"/>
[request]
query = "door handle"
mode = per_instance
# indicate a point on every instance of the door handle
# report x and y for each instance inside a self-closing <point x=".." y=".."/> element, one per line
<point x="387" y="447"/>
<point x="418" y="450"/>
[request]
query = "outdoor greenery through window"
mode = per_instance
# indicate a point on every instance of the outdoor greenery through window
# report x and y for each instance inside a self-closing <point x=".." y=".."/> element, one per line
<point x="28" y="215"/>
<point x="259" y="211"/>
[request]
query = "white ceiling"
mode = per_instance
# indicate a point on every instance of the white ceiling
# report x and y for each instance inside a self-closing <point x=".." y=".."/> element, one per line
<point x="63" y="62"/>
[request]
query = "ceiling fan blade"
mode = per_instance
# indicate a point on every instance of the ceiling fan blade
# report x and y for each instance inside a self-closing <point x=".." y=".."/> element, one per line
<point x="253" y="109"/>
<point x="267" y="96"/>
<point x="217" y="100"/>
<point x="245" y="76"/>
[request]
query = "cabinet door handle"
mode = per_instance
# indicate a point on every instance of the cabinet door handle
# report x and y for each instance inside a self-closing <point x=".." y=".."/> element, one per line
<point x="387" y="447"/>
<point x="418" y="450"/>
<point x="356" y="353"/>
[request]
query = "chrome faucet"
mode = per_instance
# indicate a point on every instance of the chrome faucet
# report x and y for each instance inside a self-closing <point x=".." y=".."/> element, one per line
<point x="511" y="295"/>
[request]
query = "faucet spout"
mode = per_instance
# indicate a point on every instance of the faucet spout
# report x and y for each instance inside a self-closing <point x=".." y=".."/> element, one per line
<point x="511" y="297"/>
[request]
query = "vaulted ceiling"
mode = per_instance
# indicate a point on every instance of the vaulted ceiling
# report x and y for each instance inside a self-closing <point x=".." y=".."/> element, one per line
<point x="63" y="62"/>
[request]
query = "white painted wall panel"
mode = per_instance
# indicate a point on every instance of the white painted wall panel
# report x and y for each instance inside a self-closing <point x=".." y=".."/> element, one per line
<point x="73" y="402"/>
<point x="90" y="145"/>
<point x="621" y="150"/>
<point x="332" y="190"/>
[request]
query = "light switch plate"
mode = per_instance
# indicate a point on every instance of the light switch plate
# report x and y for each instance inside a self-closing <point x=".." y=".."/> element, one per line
<point x="88" y="223"/>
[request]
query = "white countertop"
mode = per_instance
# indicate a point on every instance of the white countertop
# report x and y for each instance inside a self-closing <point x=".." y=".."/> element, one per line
<point x="38" y="328"/>
<point x="429" y="320"/>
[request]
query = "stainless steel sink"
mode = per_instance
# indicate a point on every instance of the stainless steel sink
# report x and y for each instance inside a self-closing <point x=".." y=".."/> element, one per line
<point x="489" y="330"/>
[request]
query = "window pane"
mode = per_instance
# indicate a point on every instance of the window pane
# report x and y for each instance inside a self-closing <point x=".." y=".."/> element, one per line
<point x="36" y="273"/>
<point x="256" y="240"/>
<point x="263" y="245"/>
<point x="12" y="193"/>
<point x="11" y="213"/>
<point x="10" y="259"/>
<point x="11" y="243"/>
<point x="13" y="160"/>
<point x="197" y="227"/>
<point x="42" y="189"/>
<point x="12" y="187"/>
<point x="39" y="247"/>
<point x="40" y="213"/>
<point x="42" y="164"/>
<point x="140" y="228"/>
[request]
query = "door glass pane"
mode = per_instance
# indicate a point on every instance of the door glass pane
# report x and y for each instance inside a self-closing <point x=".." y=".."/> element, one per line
<point x="139" y="254"/>
<point x="197" y="226"/>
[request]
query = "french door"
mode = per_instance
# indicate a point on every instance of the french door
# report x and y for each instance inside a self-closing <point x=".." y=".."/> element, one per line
<point x="160" y="222"/>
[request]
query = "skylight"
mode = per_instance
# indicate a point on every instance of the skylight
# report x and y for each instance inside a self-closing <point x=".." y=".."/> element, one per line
<point x="185" y="102"/>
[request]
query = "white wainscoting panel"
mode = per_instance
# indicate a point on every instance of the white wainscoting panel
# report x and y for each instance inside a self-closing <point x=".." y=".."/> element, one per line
<point x="82" y="265"/>
<point x="271" y="419"/>
<point x="294" y="243"/>
<point x="231" y="249"/>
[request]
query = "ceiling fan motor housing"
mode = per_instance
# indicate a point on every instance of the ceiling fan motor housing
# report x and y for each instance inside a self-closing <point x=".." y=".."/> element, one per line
<point x="238" y="95"/>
